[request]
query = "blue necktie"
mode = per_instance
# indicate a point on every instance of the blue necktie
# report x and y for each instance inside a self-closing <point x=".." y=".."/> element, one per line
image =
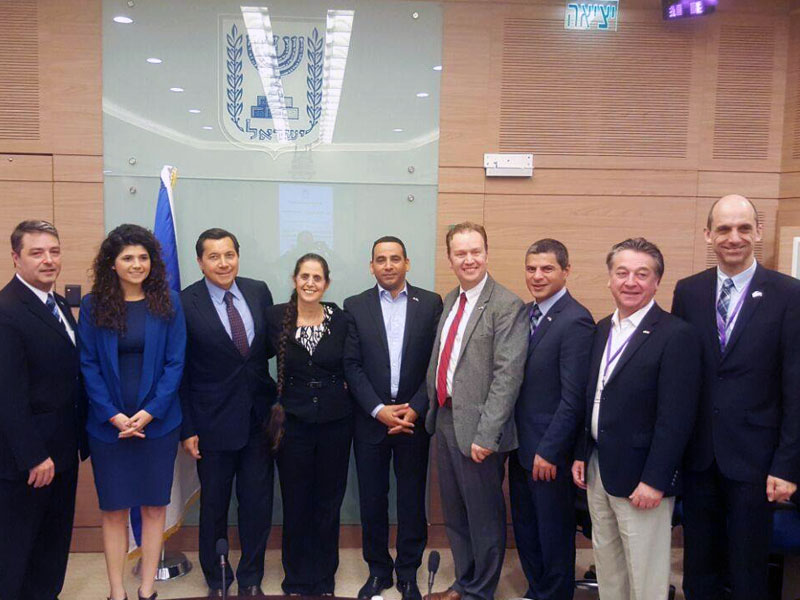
<point x="536" y="314"/>
<point x="51" y="304"/>
<point x="724" y="299"/>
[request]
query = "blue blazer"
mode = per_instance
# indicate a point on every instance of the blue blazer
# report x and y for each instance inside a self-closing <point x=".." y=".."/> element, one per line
<point x="162" y="368"/>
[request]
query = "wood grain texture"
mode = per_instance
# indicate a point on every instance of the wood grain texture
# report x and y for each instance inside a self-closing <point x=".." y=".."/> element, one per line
<point x="77" y="168"/>
<point x="786" y="236"/>
<point x="753" y="185"/>
<point x="20" y="117"/>
<point x="20" y="201"/>
<point x="26" y="167"/>
<point x="78" y="214"/>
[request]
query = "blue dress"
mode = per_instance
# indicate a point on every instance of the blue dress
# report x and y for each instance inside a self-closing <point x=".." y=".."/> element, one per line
<point x="133" y="471"/>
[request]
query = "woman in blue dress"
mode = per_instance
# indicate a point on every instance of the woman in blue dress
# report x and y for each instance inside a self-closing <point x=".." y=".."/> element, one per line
<point x="133" y="338"/>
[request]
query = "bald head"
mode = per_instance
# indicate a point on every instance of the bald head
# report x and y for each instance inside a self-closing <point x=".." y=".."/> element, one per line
<point x="733" y="231"/>
<point x="726" y="202"/>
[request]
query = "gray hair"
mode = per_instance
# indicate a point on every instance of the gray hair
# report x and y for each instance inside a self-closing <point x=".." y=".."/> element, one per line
<point x="30" y="226"/>
<point x="638" y="244"/>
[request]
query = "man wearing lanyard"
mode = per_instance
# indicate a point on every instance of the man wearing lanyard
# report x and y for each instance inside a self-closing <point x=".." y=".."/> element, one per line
<point x="745" y="449"/>
<point x="389" y="341"/>
<point x="548" y="414"/>
<point x="641" y="399"/>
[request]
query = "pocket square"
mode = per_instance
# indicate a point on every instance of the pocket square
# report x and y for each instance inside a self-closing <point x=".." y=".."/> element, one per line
<point x="757" y="294"/>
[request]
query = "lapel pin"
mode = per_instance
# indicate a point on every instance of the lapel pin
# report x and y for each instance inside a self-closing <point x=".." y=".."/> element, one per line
<point x="646" y="331"/>
<point x="757" y="294"/>
<point x="481" y="307"/>
<point x="415" y="299"/>
<point x="549" y="318"/>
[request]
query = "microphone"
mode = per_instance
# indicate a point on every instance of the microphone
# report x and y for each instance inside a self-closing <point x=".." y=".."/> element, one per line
<point x="222" y="552"/>
<point x="433" y="566"/>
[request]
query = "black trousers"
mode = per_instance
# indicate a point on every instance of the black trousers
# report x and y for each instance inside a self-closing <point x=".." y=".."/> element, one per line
<point x="543" y="513"/>
<point x="312" y="467"/>
<point x="35" y="533"/>
<point x="725" y="519"/>
<point x="474" y="511"/>
<point x="409" y="454"/>
<point x="253" y="469"/>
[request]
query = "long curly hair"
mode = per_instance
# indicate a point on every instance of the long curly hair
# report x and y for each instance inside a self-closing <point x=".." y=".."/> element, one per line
<point x="277" y="418"/>
<point x="108" y="308"/>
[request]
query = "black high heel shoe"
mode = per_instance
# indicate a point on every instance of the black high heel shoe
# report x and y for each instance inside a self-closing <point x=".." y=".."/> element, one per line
<point x="139" y="593"/>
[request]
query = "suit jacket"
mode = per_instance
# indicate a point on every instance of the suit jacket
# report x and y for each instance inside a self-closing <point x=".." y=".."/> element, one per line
<point x="224" y="394"/>
<point x="749" y="418"/>
<point x="489" y="371"/>
<point x="162" y="367"/>
<point x="549" y="410"/>
<point x="314" y="387"/>
<point x="648" y="405"/>
<point x="42" y="403"/>
<point x="366" y="357"/>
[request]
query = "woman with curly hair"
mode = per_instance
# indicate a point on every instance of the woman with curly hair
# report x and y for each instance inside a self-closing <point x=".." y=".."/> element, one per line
<point x="133" y="338"/>
<point x="311" y="428"/>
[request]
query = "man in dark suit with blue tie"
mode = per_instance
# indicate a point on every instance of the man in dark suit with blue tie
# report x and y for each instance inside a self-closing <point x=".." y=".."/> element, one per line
<point x="226" y="396"/>
<point x="42" y="419"/>
<point x="391" y="334"/>
<point x="548" y="414"/>
<point x="745" y="450"/>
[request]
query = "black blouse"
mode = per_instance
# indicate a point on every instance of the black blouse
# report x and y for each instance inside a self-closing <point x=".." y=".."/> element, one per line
<point x="314" y="388"/>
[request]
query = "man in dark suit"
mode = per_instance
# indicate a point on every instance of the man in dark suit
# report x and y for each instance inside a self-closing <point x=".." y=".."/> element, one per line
<point x="745" y="450"/>
<point x="474" y="378"/>
<point x="42" y="419"/>
<point x="390" y="337"/>
<point x="641" y="400"/>
<point x="548" y="414"/>
<point x="226" y="396"/>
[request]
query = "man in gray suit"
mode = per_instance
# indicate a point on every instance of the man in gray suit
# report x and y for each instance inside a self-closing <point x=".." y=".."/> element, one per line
<point x="474" y="378"/>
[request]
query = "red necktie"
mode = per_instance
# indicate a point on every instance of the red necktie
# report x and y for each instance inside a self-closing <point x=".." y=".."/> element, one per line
<point x="444" y="359"/>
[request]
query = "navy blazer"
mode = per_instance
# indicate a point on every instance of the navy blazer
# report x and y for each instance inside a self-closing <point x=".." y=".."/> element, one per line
<point x="648" y="405"/>
<point x="162" y="367"/>
<point x="224" y="394"/>
<point x="749" y="418"/>
<point x="549" y="410"/>
<point x="42" y="400"/>
<point x="366" y="357"/>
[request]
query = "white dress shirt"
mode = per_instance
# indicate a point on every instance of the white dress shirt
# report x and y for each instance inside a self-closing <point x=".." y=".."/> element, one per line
<point x="218" y="300"/>
<point x="43" y="297"/>
<point x="740" y="283"/>
<point x="472" y="300"/>
<point x="394" y="322"/>
<point x="620" y="334"/>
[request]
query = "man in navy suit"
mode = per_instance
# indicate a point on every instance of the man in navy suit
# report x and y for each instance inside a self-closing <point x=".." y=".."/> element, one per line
<point x="391" y="334"/>
<point x="226" y="396"/>
<point x="641" y="400"/>
<point x="42" y="419"/>
<point x="745" y="449"/>
<point x="548" y="413"/>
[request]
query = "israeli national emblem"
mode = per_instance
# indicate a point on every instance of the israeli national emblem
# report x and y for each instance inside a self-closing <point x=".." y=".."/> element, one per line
<point x="273" y="95"/>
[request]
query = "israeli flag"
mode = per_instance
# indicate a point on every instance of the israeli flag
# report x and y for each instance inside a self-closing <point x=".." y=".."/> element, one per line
<point x="185" y="484"/>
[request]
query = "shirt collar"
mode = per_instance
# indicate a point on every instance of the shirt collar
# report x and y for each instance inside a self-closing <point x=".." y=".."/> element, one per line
<point x="39" y="293"/>
<point x="740" y="280"/>
<point x="218" y="294"/>
<point x="636" y="318"/>
<point x="546" y="305"/>
<point x="474" y="293"/>
<point x="384" y="293"/>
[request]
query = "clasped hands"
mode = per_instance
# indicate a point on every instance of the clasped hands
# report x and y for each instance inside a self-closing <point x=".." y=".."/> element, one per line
<point x="131" y="426"/>
<point x="399" y="418"/>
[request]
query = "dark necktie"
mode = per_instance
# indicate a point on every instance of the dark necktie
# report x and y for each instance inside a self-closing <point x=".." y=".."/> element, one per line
<point x="724" y="299"/>
<point x="51" y="304"/>
<point x="238" y="332"/>
<point x="536" y="314"/>
<point x="444" y="360"/>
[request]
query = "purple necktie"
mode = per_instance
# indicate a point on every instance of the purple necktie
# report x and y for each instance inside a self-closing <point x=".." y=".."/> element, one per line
<point x="238" y="332"/>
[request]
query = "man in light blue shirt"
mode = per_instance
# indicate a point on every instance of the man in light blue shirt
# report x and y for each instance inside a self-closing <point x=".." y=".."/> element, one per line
<point x="390" y="338"/>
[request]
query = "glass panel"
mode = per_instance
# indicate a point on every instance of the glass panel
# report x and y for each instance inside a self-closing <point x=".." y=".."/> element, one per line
<point x="299" y="126"/>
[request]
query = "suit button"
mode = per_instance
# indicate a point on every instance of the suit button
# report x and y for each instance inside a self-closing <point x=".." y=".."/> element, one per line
<point x="310" y="363"/>
<point x="314" y="399"/>
<point x="716" y="411"/>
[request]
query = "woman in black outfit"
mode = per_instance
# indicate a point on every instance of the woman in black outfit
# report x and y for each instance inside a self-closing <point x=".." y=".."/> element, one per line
<point x="311" y="428"/>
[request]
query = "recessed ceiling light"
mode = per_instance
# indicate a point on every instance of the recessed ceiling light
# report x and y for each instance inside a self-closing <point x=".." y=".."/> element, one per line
<point x="194" y="111"/>
<point x="154" y="61"/>
<point x="422" y="94"/>
<point x="397" y="130"/>
<point x="207" y="127"/>
<point x="123" y="20"/>
<point x="176" y="89"/>
<point x="437" y="68"/>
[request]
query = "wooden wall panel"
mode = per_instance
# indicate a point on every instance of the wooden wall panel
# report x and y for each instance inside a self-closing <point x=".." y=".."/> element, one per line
<point x="25" y="167"/>
<point x="21" y="200"/>
<point x="78" y="214"/>
<point x="86" y="169"/>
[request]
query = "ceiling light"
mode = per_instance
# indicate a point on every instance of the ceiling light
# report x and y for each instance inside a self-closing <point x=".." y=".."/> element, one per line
<point x="176" y="89"/>
<point x="437" y="68"/>
<point x="123" y="20"/>
<point x="397" y="130"/>
<point x="207" y="127"/>
<point x="422" y="94"/>
<point x="154" y="61"/>
<point x="194" y="111"/>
